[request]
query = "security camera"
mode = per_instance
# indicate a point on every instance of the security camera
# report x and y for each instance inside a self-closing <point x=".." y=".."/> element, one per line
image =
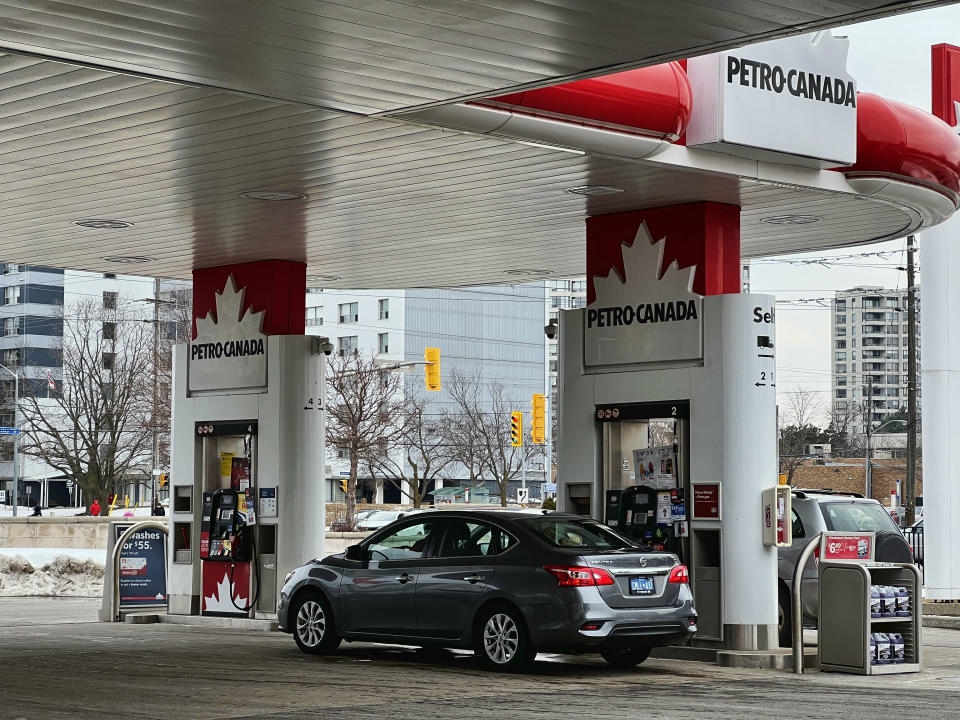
<point x="327" y="348"/>
<point x="321" y="345"/>
<point x="551" y="329"/>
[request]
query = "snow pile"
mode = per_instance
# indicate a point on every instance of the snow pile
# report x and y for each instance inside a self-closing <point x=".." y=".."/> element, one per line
<point x="64" y="576"/>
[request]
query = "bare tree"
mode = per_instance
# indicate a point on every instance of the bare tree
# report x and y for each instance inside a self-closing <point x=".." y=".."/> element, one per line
<point x="364" y="412"/>
<point x="97" y="430"/>
<point x="419" y="454"/>
<point x="797" y="430"/>
<point x="483" y="419"/>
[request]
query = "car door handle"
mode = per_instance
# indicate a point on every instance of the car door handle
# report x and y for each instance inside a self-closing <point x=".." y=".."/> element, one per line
<point x="403" y="578"/>
<point x="475" y="578"/>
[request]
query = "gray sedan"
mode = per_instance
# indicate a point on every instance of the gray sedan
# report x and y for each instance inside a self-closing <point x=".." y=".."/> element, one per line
<point x="507" y="584"/>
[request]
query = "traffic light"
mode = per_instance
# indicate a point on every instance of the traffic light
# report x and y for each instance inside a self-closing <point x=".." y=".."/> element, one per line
<point x="343" y="485"/>
<point x="432" y="356"/>
<point x="516" y="428"/>
<point x="538" y="426"/>
<point x="163" y="480"/>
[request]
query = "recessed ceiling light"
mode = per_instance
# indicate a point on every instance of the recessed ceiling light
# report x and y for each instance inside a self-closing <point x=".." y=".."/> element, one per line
<point x="101" y="224"/>
<point x="594" y="190"/>
<point x="527" y="271"/>
<point x="790" y="219"/>
<point x="322" y="278"/>
<point x="128" y="259"/>
<point x="272" y="195"/>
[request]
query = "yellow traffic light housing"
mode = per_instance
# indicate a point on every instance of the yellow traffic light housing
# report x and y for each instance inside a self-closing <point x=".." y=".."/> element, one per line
<point x="163" y="480"/>
<point x="516" y="428"/>
<point x="432" y="356"/>
<point x="538" y="427"/>
<point x="344" y="483"/>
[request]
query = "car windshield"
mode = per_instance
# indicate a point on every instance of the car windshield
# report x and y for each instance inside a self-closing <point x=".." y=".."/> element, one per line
<point x="856" y="517"/>
<point x="384" y="516"/>
<point x="585" y="534"/>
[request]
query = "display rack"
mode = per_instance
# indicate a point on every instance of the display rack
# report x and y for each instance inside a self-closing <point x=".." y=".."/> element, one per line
<point x="845" y="620"/>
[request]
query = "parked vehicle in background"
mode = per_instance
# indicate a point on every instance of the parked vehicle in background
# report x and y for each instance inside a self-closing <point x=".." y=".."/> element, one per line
<point x="816" y="511"/>
<point x="381" y="518"/>
<point x="914" y="536"/>
<point x="505" y="583"/>
<point x="341" y="524"/>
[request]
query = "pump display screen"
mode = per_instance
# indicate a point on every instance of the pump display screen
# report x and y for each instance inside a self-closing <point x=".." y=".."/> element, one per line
<point x="226" y="514"/>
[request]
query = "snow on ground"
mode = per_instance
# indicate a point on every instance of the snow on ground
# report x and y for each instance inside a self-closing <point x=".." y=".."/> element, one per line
<point x="7" y="511"/>
<point x="51" y="572"/>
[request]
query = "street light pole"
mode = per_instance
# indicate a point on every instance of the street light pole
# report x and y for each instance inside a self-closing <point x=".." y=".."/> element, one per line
<point x="910" y="494"/>
<point x="868" y="476"/>
<point x="16" y="437"/>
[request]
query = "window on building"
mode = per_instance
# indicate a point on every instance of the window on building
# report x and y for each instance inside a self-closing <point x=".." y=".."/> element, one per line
<point x="11" y="295"/>
<point x="383" y="308"/>
<point x="342" y="452"/>
<point x="841" y="404"/>
<point x="11" y="326"/>
<point x="841" y="393"/>
<point x="841" y="381"/>
<point x="110" y="299"/>
<point x="383" y="343"/>
<point x="347" y="344"/>
<point x="108" y="360"/>
<point x="314" y="316"/>
<point x="853" y="342"/>
<point x="349" y="312"/>
<point x="841" y="344"/>
<point x="10" y="268"/>
<point x="109" y="331"/>
<point x="840" y="356"/>
<point x="840" y="319"/>
<point x="11" y="356"/>
<point x="841" y="332"/>
<point x="840" y="369"/>
<point x="841" y="305"/>
<point x="314" y="291"/>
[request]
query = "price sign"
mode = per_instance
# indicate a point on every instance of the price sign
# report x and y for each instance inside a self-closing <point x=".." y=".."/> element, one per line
<point x="847" y="546"/>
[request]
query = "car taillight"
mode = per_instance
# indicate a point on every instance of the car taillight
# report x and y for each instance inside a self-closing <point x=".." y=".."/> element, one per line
<point x="679" y="574"/>
<point x="579" y="576"/>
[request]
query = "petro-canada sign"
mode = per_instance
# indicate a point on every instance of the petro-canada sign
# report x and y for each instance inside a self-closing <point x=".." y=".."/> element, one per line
<point x="790" y="100"/>
<point x="230" y="350"/>
<point x="643" y="317"/>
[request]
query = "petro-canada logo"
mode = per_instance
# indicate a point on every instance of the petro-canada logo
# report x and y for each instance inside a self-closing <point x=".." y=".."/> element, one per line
<point x="644" y="316"/>
<point x="230" y="349"/>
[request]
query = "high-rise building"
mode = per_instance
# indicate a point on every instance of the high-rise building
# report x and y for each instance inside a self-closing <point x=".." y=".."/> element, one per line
<point x="869" y="355"/>
<point x="568" y="294"/>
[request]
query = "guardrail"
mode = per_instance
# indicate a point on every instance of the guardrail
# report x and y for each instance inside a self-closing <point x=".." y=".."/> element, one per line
<point x="914" y="536"/>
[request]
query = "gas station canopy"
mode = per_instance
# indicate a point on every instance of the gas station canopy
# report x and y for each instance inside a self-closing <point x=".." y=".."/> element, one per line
<point x="165" y="116"/>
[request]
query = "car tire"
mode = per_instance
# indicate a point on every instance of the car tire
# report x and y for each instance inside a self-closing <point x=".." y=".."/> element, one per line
<point x="625" y="657"/>
<point x="313" y="626"/>
<point x="501" y="641"/>
<point x="785" y="618"/>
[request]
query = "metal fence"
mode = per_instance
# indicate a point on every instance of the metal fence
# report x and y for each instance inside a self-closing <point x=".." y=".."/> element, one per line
<point x="914" y="536"/>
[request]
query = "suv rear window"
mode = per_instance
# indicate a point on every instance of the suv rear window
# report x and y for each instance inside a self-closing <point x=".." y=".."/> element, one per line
<point x="856" y="517"/>
<point x="584" y="534"/>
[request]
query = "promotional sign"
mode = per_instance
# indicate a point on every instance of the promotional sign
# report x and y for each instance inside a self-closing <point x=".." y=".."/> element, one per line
<point x="230" y="349"/>
<point x="225" y="588"/>
<point x="848" y="546"/>
<point x="143" y="567"/>
<point x="706" y="501"/>
<point x="791" y="96"/>
<point x="656" y="466"/>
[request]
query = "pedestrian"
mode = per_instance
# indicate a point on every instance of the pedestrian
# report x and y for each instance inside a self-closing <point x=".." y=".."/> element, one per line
<point x="37" y="510"/>
<point x="157" y="508"/>
<point x="95" y="508"/>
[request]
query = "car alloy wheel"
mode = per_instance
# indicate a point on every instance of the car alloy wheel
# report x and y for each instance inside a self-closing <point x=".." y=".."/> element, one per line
<point x="311" y="623"/>
<point x="501" y="638"/>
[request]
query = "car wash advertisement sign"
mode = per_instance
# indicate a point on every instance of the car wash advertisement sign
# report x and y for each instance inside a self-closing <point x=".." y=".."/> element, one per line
<point x="230" y="349"/>
<point x="641" y="305"/>
<point x="791" y="96"/>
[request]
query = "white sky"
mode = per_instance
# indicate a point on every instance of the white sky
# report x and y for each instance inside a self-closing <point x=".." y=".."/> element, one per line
<point x="890" y="57"/>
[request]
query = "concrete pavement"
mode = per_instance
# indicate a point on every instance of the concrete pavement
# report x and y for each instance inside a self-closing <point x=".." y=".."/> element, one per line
<point x="91" y="670"/>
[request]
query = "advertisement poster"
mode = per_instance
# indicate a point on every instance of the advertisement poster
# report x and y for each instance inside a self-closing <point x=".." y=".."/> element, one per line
<point x="226" y="464"/>
<point x="847" y="546"/>
<point x="143" y="568"/>
<point x="664" y="508"/>
<point x="239" y="474"/>
<point x="706" y="501"/>
<point x="656" y="467"/>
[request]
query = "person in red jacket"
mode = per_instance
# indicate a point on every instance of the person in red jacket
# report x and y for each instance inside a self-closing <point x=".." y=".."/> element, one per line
<point x="95" y="508"/>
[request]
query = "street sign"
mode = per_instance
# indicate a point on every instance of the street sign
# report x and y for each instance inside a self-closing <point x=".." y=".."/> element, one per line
<point x="70" y="484"/>
<point x="9" y="431"/>
<point x="3" y="496"/>
<point x="523" y="495"/>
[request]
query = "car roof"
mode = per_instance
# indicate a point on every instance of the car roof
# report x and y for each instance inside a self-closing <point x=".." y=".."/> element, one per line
<point x="826" y="494"/>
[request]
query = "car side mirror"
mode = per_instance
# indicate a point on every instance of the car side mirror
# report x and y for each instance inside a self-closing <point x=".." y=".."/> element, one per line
<point x="356" y="552"/>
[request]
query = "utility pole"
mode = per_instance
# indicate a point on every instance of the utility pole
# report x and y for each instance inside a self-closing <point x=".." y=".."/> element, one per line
<point x="910" y="494"/>
<point x="155" y="452"/>
<point x="868" y="475"/>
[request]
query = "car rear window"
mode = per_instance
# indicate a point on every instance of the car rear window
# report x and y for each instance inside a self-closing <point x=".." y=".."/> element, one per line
<point x="856" y="517"/>
<point x="585" y="534"/>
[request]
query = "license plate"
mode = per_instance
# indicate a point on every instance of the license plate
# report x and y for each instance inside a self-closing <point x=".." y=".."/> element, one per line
<point x="641" y="586"/>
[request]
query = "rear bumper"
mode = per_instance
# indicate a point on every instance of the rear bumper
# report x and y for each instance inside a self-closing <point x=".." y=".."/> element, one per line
<point x="618" y="628"/>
